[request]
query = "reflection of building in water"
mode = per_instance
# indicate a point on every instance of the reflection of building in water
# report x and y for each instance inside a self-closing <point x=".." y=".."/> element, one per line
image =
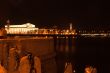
<point x="21" y="29"/>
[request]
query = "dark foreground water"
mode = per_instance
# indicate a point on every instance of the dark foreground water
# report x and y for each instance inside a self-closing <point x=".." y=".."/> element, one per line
<point x="93" y="51"/>
<point x="80" y="51"/>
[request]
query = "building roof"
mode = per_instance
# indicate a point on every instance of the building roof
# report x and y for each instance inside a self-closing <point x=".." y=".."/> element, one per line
<point x="23" y="26"/>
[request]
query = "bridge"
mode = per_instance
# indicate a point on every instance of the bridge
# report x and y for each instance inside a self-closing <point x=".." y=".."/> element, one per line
<point x="61" y="35"/>
<point x="43" y="35"/>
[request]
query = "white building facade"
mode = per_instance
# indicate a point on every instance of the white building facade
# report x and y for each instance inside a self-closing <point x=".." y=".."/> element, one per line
<point x="27" y="28"/>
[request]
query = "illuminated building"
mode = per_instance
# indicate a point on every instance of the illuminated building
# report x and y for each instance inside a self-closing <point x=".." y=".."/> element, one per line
<point x="21" y="29"/>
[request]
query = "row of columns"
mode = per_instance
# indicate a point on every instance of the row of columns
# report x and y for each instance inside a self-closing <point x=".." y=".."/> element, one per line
<point x="12" y="61"/>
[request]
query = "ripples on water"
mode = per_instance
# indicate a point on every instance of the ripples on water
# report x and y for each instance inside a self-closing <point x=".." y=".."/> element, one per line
<point x="87" y="51"/>
<point x="83" y="51"/>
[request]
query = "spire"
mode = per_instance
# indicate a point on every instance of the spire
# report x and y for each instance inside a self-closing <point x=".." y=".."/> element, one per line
<point x="70" y="26"/>
<point x="8" y="23"/>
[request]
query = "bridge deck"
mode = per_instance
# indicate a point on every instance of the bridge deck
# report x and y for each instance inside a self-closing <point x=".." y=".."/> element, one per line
<point x="50" y="35"/>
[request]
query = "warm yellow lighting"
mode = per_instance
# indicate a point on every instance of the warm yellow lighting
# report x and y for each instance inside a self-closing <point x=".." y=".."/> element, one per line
<point x="21" y="29"/>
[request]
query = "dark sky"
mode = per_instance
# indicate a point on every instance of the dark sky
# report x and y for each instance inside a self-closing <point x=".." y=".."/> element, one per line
<point x="56" y="12"/>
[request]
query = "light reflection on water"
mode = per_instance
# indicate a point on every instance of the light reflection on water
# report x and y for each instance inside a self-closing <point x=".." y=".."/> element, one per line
<point x="88" y="51"/>
<point x="81" y="52"/>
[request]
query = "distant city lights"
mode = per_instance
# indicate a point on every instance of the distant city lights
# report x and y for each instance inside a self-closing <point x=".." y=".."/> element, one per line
<point x="29" y="28"/>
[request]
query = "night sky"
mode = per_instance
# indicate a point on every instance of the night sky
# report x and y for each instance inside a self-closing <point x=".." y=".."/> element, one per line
<point x="56" y="12"/>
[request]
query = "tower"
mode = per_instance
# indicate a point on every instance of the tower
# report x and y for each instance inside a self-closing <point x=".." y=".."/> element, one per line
<point x="8" y="24"/>
<point x="70" y="26"/>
